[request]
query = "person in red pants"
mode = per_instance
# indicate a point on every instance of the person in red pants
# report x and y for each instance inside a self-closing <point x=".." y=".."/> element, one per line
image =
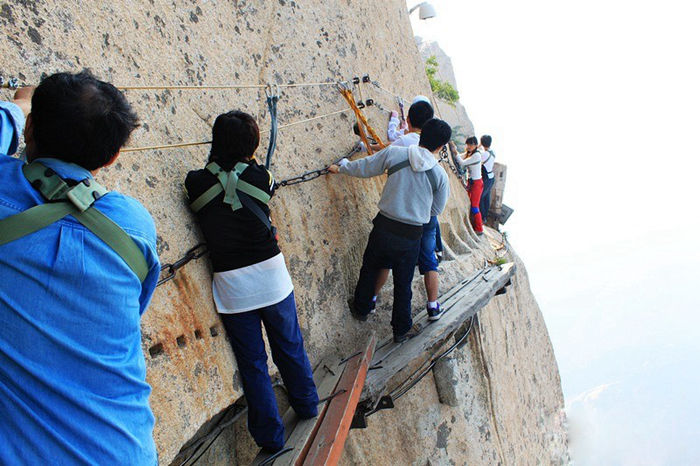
<point x="471" y="160"/>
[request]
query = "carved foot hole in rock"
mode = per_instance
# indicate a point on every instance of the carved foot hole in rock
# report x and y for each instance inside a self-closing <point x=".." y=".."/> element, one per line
<point x="214" y="331"/>
<point x="181" y="341"/>
<point x="156" y="350"/>
<point x="198" y="334"/>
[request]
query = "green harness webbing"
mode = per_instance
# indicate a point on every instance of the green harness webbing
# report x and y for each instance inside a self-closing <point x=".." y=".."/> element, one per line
<point x="229" y="183"/>
<point x="406" y="163"/>
<point x="77" y="201"/>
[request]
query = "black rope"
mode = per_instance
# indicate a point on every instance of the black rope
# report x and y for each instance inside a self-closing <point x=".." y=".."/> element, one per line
<point x="272" y="99"/>
<point x="274" y="456"/>
<point x="332" y="395"/>
<point x="220" y="426"/>
<point x="405" y="390"/>
<point x="349" y="358"/>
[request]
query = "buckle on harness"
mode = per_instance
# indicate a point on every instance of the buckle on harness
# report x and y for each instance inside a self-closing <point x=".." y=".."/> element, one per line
<point x="83" y="195"/>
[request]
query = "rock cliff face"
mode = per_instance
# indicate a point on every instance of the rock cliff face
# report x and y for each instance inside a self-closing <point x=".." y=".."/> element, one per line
<point x="455" y="115"/>
<point x="501" y="396"/>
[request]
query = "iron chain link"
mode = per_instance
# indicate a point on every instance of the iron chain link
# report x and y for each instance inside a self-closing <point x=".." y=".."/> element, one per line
<point x="194" y="253"/>
<point x="12" y="83"/>
<point x="313" y="174"/>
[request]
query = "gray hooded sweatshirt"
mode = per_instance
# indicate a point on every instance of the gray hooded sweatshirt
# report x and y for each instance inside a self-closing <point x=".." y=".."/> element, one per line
<point x="408" y="196"/>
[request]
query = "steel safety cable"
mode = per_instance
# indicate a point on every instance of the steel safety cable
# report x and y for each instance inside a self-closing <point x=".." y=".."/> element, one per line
<point x="201" y="143"/>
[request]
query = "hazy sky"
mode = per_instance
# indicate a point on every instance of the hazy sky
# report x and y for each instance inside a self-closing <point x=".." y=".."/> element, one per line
<point x="594" y="108"/>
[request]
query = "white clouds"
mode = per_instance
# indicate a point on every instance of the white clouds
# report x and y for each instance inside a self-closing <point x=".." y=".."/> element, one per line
<point x="594" y="106"/>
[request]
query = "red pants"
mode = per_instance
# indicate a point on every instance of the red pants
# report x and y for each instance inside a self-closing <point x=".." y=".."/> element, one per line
<point x="476" y="187"/>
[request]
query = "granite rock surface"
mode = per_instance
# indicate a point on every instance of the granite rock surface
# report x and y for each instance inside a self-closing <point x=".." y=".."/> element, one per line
<point x="506" y="389"/>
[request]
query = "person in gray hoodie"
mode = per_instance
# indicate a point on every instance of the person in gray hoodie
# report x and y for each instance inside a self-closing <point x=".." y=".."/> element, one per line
<point x="416" y="188"/>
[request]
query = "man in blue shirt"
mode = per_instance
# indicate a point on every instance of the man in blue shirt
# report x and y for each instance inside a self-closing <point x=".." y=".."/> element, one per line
<point x="72" y="372"/>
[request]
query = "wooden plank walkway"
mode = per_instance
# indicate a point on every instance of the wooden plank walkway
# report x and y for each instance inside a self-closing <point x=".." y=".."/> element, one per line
<point x="320" y="441"/>
<point x="393" y="362"/>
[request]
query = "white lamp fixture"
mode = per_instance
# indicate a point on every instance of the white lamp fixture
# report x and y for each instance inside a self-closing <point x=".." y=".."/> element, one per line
<point x="426" y="11"/>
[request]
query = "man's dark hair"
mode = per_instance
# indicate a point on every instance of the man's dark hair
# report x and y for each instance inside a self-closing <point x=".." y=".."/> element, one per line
<point x="235" y="137"/>
<point x="486" y="140"/>
<point x="80" y="119"/>
<point x="435" y="134"/>
<point x="472" y="141"/>
<point x="419" y="113"/>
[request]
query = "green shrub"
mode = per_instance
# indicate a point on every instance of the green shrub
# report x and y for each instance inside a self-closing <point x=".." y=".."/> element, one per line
<point x="442" y="89"/>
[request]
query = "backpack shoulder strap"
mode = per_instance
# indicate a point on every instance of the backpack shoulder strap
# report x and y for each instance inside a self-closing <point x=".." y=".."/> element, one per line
<point x="432" y="178"/>
<point x="77" y="201"/>
<point x="399" y="166"/>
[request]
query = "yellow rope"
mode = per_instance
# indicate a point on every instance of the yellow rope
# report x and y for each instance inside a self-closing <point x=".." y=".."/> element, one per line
<point x="192" y="88"/>
<point x="201" y="143"/>
<point x="165" y="146"/>
<point x="307" y="84"/>
<point x="310" y="119"/>
<point x="225" y="86"/>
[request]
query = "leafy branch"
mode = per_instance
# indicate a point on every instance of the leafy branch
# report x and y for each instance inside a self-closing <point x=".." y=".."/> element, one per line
<point x="442" y="89"/>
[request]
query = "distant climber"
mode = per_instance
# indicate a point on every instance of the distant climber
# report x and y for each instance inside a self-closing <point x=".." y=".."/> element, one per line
<point x="72" y="372"/>
<point x="418" y="114"/>
<point x="251" y="284"/>
<point x="416" y="188"/>
<point x="398" y="127"/>
<point x="471" y="160"/>
<point x="487" y="160"/>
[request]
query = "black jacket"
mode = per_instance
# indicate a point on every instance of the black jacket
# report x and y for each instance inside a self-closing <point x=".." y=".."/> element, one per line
<point x="234" y="239"/>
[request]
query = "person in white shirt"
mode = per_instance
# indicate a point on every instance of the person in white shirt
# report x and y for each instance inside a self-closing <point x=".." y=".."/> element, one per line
<point x="471" y="160"/>
<point x="398" y="128"/>
<point x="487" y="161"/>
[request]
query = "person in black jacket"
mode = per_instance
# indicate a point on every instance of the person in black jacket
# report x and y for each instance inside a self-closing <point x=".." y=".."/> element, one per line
<point x="251" y="284"/>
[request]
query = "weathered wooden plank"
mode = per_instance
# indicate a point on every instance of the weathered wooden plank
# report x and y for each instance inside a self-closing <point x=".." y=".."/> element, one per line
<point x="460" y="303"/>
<point x="327" y="446"/>
<point x="387" y="346"/>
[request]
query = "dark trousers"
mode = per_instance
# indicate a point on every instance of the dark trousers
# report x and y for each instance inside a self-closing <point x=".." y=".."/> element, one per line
<point x="287" y="347"/>
<point x="485" y="202"/>
<point x="386" y="250"/>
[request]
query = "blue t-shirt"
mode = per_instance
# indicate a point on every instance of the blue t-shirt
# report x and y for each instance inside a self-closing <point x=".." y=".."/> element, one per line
<point x="72" y="372"/>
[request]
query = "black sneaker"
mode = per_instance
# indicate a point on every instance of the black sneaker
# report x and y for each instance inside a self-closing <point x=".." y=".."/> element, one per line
<point x="355" y="314"/>
<point x="434" y="313"/>
<point x="401" y="338"/>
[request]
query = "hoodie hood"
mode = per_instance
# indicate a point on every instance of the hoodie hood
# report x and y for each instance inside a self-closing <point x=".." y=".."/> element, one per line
<point x="421" y="159"/>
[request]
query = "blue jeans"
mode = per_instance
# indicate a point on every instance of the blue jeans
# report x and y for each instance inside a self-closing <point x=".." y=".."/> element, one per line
<point x="485" y="202"/>
<point x="287" y="346"/>
<point x="386" y="250"/>
<point x="427" y="262"/>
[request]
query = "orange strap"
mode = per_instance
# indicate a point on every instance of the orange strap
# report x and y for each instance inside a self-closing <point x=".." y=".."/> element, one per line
<point x="363" y="124"/>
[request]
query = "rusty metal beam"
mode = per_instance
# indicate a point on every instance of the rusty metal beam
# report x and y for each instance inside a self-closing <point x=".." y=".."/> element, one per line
<point x="328" y="443"/>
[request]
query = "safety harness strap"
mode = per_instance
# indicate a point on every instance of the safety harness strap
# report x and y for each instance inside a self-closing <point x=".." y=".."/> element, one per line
<point x="432" y="179"/>
<point x="206" y="197"/>
<point x="237" y="193"/>
<point x="31" y="220"/>
<point x="77" y="201"/>
<point x="116" y="238"/>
